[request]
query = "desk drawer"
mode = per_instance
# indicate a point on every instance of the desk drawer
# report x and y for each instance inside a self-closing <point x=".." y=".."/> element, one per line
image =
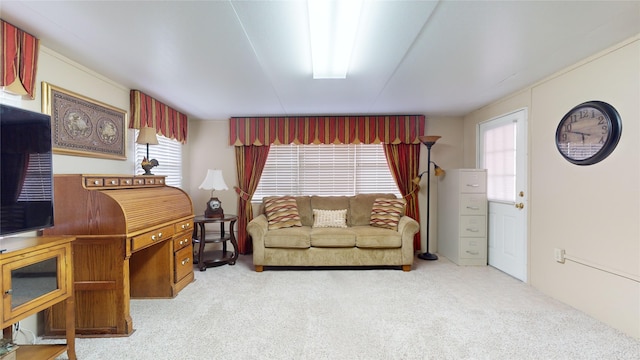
<point x="151" y="237"/>
<point x="181" y="241"/>
<point x="186" y="225"/>
<point x="183" y="262"/>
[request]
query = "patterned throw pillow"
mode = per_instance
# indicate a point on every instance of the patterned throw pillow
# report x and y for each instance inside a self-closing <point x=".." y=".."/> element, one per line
<point x="330" y="218"/>
<point x="282" y="212"/>
<point x="386" y="213"/>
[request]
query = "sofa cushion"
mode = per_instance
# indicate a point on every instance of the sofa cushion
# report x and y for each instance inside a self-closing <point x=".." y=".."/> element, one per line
<point x="330" y="218"/>
<point x="376" y="237"/>
<point x="332" y="237"/>
<point x="360" y="208"/>
<point x="294" y="237"/>
<point x="282" y="212"/>
<point x="386" y="213"/>
<point x="304" y="210"/>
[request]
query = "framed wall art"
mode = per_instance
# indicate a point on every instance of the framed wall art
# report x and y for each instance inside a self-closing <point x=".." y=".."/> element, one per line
<point x="82" y="126"/>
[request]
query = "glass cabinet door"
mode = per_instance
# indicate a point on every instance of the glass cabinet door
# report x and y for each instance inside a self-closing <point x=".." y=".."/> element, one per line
<point x="30" y="281"/>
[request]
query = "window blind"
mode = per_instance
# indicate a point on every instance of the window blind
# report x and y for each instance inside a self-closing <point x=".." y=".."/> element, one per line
<point x="168" y="152"/>
<point x="325" y="170"/>
<point x="37" y="182"/>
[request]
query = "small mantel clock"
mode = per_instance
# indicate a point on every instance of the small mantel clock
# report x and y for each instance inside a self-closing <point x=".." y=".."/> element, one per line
<point x="214" y="209"/>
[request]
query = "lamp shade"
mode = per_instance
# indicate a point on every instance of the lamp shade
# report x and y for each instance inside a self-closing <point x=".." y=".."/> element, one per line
<point x="213" y="181"/>
<point x="148" y="136"/>
<point x="429" y="139"/>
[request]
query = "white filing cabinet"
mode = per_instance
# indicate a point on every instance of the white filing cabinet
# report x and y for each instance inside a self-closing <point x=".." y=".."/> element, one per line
<point x="462" y="216"/>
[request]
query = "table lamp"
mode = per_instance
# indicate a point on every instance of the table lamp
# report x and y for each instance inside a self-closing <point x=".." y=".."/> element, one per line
<point x="213" y="181"/>
<point x="147" y="135"/>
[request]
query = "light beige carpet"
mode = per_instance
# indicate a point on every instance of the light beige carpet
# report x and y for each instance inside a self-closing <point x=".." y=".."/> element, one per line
<point x="437" y="311"/>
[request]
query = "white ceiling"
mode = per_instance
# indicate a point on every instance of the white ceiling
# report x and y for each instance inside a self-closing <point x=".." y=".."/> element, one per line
<point x="216" y="59"/>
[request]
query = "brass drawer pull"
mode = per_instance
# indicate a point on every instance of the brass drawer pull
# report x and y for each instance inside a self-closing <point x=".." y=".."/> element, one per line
<point x="185" y="261"/>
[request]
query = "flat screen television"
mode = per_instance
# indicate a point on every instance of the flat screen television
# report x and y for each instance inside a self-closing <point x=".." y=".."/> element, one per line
<point x="26" y="171"/>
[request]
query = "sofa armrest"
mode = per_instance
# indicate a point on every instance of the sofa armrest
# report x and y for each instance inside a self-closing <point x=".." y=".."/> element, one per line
<point x="257" y="229"/>
<point x="407" y="227"/>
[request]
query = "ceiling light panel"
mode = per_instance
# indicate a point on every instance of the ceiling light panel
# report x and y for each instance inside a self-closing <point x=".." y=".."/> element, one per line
<point x="333" y="27"/>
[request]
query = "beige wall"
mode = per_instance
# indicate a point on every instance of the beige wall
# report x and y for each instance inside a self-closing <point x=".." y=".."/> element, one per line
<point x="210" y="149"/>
<point x="62" y="72"/>
<point x="447" y="152"/>
<point x="590" y="211"/>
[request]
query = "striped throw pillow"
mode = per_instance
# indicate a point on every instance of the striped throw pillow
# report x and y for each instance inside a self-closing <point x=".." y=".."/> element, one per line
<point x="282" y="212"/>
<point x="386" y="213"/>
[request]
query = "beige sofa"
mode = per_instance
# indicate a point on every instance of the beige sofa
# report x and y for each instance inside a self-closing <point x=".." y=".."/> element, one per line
<point x="357" y="244"/>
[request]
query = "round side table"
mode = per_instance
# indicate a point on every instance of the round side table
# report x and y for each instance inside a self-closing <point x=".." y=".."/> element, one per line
<point x="215" y="257"/>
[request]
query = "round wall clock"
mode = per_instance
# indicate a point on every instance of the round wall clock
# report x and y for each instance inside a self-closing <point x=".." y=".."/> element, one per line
<point x="589" y="133"/>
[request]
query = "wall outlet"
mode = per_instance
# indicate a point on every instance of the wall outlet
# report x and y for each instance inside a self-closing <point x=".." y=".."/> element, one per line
<point x="558" y="254"/>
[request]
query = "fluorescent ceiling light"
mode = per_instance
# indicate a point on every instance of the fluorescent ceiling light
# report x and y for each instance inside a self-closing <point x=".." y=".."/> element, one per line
<point x="333" y="25"/>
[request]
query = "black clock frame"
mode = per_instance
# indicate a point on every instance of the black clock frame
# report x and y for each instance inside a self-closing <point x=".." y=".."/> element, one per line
<point x="614" y="128"/>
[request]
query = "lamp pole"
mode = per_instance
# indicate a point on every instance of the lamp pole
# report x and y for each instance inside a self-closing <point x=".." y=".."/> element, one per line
<point x="428" y="141"/>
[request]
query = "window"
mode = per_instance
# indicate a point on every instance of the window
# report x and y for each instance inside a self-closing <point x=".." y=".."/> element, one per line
<point x="168" y="152"/>
<point x="499" y="149"/>
<point x="325" y="170"/>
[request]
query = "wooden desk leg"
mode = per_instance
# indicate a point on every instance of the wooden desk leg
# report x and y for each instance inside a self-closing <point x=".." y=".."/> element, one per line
<point x="71" y="327"/>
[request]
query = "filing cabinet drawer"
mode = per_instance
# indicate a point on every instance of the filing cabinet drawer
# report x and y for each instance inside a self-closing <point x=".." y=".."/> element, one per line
<point x="473" y="204"/>
<point x="473" y="226"/>
<point x="473" y="248"/>
<point x="472" y="182"/>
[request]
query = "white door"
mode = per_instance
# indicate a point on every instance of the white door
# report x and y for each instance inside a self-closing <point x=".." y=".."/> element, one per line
<point x="502" y="150"/>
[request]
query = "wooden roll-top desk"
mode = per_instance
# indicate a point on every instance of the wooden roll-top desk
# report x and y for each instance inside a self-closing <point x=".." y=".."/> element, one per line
<point x="133" y="240"/>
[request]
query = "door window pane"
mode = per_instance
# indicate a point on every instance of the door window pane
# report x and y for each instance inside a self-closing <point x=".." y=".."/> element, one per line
<point x="499" y="150"/>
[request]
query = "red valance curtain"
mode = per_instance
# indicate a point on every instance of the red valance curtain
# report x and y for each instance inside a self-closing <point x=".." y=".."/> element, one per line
<point x="19" y="60"/>
<point x="147" y="111"/>
<point x="391" y="129"/>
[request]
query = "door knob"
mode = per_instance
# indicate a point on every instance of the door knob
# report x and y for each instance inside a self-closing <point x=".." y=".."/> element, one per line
<point x="520" y="206"/>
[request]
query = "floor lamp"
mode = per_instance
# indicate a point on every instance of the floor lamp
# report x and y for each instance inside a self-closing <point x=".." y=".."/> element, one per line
<point x="429" y="141"/>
